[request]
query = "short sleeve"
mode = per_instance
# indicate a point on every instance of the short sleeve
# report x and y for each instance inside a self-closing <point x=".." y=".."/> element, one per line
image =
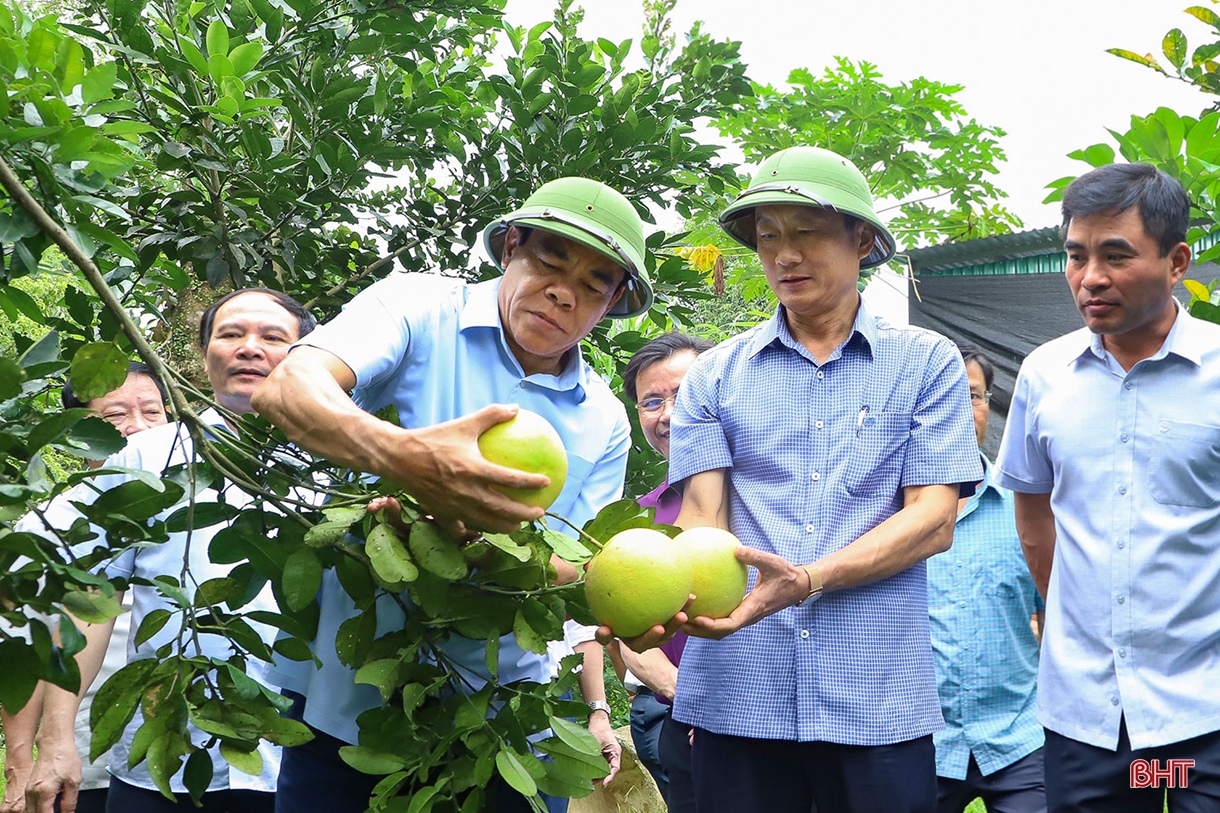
<point x="1022" y="464"/>
<point x="943" y="447"/>
<point x="697" y="440"/>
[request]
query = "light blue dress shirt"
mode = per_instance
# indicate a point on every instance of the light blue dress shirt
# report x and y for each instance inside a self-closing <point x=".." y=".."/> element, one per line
<point x="154" y="450"/>
<point x="817" y="455"/>
<point x="1132" y="463"/>
<point x="434" y="348"/>
<point x="980" y="599"/>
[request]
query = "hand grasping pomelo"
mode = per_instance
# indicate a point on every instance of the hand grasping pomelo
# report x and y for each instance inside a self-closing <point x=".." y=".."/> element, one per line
<point x="639" y="579"/>
<point x="720" y="579"/>
<point x="529" y="443"/>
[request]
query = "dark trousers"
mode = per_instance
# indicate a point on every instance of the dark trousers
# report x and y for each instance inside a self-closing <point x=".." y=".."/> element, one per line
<point x="91" y="801"/>
<point x="313" y="777"/>
<point x="1015" y="788"/>
<point x="125" y="798"/>
<point x="1082" y="778"/>
<point x="743" y="775"/>
<point x="647" y="716"/>
<point x="675" y="756"/>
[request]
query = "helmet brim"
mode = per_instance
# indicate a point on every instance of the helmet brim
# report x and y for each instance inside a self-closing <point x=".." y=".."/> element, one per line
<point x="636" y="299"/>
<point x="738" y="219"/>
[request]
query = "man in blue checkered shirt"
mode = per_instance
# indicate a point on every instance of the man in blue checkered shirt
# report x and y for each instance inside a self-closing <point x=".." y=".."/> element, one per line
<point x="833" y="445"/>
<point x="981" y="598"/>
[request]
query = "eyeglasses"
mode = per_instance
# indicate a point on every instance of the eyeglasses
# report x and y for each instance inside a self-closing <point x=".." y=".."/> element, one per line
<point x="980" y="399"/>
<point x="652" y="406"/>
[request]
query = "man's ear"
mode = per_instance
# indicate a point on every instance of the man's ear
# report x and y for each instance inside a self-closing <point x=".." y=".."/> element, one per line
<point x="867" y="236"/>
<point x="1179" y="258"/>
<point x="512" y="239"/>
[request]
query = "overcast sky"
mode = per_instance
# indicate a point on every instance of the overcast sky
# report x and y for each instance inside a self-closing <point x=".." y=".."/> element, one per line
<point x="1036" y="68"/>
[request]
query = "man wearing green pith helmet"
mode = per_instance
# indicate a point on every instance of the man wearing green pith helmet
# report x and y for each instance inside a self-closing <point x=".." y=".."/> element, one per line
<point x="456" y="359"/>
<point x="834" y="445"/>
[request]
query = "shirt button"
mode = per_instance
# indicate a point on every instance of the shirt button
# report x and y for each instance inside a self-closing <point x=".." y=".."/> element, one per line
<point x="821" y="374"/>
<point x="1122" y="544"/>
<point x="816" y="476"/>
<point x="1125" y="437"/>
<point x="1122" y="489"/>
<point x="1127" y="386"/>
<point x="804" y="633"/>
<point x="808" y="529"/>
<point x="1121" y="598"/>
<point x="1122" y="653"/>
<point x="1114" y="701"/>
<point x="1164" y="426"/>
<point x="818" y="424"/>
<point x="962" y="604"/>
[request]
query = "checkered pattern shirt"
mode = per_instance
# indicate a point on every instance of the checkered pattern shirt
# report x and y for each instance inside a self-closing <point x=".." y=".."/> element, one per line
<point x="818" y="454"/>
<point x="980" y="599"/>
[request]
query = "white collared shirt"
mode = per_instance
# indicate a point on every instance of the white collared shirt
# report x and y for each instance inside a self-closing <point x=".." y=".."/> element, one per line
<point x="1132" y="463"/>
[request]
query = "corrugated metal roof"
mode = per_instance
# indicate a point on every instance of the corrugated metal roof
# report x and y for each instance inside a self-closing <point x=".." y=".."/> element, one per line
<point x="987" y="250"/>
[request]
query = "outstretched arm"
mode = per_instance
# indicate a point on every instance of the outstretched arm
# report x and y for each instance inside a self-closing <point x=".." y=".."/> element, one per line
<point x="441" y="466"/>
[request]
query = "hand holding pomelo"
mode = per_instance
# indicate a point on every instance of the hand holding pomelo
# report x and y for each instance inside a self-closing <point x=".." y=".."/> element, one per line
<point x="528" y="442"/>
<point x="719" y="577"/>
<point x="639" y="579"/>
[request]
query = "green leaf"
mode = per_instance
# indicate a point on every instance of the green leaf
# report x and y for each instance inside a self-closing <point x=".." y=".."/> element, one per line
<point x="576" y="736"/>
<point x="437" y="553"/>
<point x="381" y="673"/>
<point x="97" y="369"/>
<point x="514" y="773"/>
<point x="389" y="556"/>
<point x="1206" y="15"/>
<point x="11" y="379"/>
<point x="1097" y="155"/>
<point x="247" y="761"/>
<point x="566" y="547"/>
<point x="220" y="67"/>
<point x="136" y="500"/>
<point x="165" y="758"/>
<point x="99" y="82"/>
<point x="1174" y="46"/>
<point x="152" y="624"/>
<point x="1148" y="60"/>
<point x="302" y="578"/>
<point x="92" y="607"/>
<point x="218" y="39"/>
<point x="199" y="515"/>
<point x="91" y="438"/>
<point x="19" y="676"/>
<point x="244" y="57"/>
<point x="193" y="55"/>
<point x="504" y="542"/>
<point x="369" y="761"/>
<point x="115" y="704"/>
<point x="1197" y="289"/>
<point x="198" y="774"/>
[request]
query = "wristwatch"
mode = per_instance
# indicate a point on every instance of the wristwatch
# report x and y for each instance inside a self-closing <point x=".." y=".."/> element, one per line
<point x="599" y="705"/>
<point x="815" y="584"/>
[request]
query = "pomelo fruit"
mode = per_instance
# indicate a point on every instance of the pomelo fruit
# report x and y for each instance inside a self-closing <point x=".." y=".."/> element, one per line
<point x="528" y="442"/>
<point x="719" y="578"/>
<point x="640" y="578"/>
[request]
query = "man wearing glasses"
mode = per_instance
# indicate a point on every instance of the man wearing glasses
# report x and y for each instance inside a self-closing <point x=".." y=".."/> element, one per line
<point x="981" y="597"/>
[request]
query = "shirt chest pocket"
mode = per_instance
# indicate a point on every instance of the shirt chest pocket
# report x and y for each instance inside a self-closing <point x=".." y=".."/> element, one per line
<point x="1184" y="463"/>
<point x="877" y="453"/>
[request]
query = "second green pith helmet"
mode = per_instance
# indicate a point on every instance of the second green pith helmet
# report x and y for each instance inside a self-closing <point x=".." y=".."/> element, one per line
<point x="808" y="176"/>
<point x="592" y="214"/>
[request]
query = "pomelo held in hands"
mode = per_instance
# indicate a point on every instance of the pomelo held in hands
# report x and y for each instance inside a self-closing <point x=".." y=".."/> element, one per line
<point x="639" y="579"/>
<point x="720" y="579"/>
<point x="529" y="443"/>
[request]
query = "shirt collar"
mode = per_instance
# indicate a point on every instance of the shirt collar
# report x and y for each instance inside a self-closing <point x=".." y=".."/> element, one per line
<point x="776" y="329"/>
<point x="482" y="310"/>
<point x="1182" y="341"/>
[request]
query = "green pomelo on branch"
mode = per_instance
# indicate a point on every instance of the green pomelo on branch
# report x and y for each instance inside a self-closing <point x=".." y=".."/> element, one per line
<point x="639" y="579"/>
<point x="529" y="443"/>
<point x="719" y="577"/>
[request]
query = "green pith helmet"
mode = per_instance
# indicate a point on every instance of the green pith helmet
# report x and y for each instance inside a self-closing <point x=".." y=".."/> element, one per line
<point x="592" y="214"/>
<point x="808" y="176"/>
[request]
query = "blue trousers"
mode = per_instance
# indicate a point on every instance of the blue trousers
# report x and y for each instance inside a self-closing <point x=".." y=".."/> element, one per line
<point x="647" y="716"/>
<point x="744" y="775"/>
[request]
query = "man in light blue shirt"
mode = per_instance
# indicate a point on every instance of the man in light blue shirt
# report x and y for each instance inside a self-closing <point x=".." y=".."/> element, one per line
<point x="449" y="355"/>
<point x="833" y="445"/>
<point x="1113" y="447"/>
<point x="981" y="598"/>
